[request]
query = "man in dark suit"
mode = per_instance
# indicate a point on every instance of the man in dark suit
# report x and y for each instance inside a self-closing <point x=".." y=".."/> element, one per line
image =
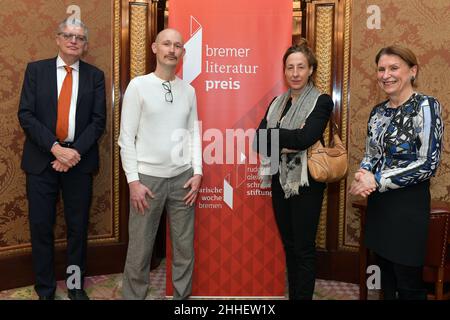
<point x="62" y="111"/>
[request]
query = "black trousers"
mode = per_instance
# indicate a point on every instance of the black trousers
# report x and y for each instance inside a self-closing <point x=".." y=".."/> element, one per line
<point x="401" y="282"/>
<point x="42" y="193"/>
<point x="297" y="220"/>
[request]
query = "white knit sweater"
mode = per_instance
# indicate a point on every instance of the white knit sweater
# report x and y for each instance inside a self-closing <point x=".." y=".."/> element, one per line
<point x="159" y="138"/>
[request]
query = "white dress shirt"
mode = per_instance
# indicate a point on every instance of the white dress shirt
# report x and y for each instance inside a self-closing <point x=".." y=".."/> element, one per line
<point x="60" y="76"/>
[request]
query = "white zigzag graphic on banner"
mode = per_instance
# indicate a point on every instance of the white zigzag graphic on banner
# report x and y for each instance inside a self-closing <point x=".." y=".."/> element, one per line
<point x="192" y="62"/>
<point x="192" y="67"/>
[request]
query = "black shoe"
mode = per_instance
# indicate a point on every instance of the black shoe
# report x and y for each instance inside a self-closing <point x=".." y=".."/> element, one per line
<point x="77" y="294"/>
<point x="412" y="294"/>
<point x="50" y="297"/>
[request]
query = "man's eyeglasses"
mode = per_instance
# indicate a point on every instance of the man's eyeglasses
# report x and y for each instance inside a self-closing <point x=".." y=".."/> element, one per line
<point x="70" y="36"/>
<point x="168" y="88"/>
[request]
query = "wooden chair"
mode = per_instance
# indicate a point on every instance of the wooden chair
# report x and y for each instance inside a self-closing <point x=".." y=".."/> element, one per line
<point x="437" y="262"/>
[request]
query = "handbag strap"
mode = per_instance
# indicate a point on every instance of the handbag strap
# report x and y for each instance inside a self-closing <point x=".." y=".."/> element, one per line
<point x="334" y="124"/>
<point x="333" y="130"/>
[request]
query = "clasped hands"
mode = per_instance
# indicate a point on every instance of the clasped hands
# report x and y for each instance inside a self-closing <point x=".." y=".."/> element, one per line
<point x="66" y="158"/>
<point x="363" y="184"/>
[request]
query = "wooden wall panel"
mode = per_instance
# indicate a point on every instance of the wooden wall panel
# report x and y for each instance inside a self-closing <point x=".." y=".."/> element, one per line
<point x="328" y="33"/>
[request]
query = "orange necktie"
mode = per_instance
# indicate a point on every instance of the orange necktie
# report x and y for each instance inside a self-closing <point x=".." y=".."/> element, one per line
<point x="62" y="122"/>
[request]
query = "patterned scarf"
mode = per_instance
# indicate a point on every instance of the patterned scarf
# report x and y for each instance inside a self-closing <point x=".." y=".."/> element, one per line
<point x="293" y="166"/>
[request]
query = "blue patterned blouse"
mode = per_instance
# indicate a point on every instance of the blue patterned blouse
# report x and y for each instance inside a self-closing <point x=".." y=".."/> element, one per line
<point x="403" y="145"/>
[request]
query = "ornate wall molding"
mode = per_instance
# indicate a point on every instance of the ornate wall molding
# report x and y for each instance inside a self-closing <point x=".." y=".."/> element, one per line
<point x="344" y="118"/>
<point x="138" y="38"/>
<point x="116" y="114"/>
<point x="322" y="32"/>
<point x="324" y="29"/>
<point x="328" y="33"/>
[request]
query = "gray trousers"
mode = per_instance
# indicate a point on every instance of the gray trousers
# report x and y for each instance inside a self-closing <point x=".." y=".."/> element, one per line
<point x="169" y="193"/>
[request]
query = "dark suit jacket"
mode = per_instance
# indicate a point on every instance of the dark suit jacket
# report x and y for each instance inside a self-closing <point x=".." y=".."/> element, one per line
<point x="38" y="112"/>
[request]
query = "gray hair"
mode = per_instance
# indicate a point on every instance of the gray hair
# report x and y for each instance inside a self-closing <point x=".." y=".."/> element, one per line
<point x="73" y="22"/>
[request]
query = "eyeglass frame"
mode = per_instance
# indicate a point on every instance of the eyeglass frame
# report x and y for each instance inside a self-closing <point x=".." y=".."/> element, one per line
<point x="167" y="86"/>
<point x="69" y="36"/>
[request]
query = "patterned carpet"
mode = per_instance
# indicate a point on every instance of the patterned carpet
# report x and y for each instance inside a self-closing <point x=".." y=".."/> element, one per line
<point x="108" y="287"/>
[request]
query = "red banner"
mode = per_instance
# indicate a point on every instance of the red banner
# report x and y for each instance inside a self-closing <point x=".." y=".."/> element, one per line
<point x="233" y="58"/>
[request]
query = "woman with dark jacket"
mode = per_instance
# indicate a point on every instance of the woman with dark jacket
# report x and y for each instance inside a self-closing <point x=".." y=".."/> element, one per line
<point x="300" y="116"/>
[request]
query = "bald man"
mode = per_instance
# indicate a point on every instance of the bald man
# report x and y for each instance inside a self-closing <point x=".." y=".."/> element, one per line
<point x="161" y="155"/>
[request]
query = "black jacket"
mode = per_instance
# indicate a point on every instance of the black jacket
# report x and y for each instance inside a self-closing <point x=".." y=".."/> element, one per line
<point x="38" y="113"/>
